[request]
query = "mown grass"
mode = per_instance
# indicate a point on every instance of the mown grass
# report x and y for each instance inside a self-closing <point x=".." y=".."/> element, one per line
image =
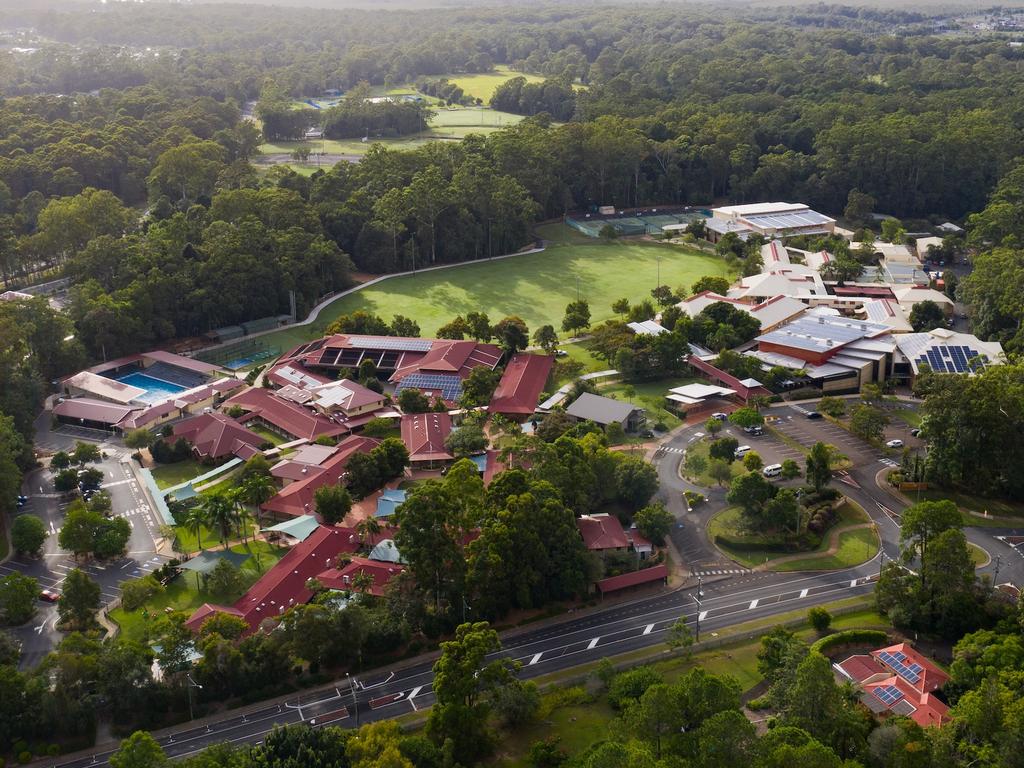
<point x="649" y="395"/>
<point x="536" y="286"/>
<point x="855" y="547"/>
<point x="701" y="450"/>
<point x="182" y="594"/>
<point x="170" y="475"/>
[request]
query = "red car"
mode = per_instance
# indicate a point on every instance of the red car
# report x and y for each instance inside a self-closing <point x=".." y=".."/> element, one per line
<point x="49" y="595"/>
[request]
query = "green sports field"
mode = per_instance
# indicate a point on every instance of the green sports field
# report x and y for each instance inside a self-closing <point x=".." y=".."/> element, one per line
<point x="536" y="286"/>
<point x="482" y="86"/>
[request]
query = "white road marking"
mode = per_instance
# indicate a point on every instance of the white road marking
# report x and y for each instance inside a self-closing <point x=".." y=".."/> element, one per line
<point x="853" y="583"/>
<point x="803" y="592"/>
<point x="593" y="644"/>
<point x="536" y="658"/>
<point x="648" y="629"/>
<point x="753" y="605"/>
<point x="703" y="615"/>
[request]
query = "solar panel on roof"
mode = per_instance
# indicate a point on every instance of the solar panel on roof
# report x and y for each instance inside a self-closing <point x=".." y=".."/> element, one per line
<point x="449" y="387"/>
<point x="889" y="694"/>
<point x="897" y="661"/>
<point x="383" y="342"/>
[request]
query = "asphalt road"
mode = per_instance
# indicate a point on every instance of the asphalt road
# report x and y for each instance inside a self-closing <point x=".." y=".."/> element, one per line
<point x="128" y="500"/>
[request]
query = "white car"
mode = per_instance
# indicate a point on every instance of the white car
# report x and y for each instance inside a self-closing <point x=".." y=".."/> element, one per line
<point x="720" y="416"/>
<point x="894" y="444"/>
<point x="742" y="451"/>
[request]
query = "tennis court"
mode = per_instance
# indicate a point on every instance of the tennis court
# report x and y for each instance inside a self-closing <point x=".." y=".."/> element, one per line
<point x="632" y="223"/>
<point x="240" y="355"/>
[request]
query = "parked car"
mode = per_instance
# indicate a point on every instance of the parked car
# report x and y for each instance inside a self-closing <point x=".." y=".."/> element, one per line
<point x="915" y="432"/>
<point x="772" y="470"/>
<point x="755" y="431"/>
<point x="894" y="443"/>
<point x="22" y="501"/>
<point x="561" y="353"/>
<point x="742" y="451"/>
<point x="49" y="595"/>
<point x="720" y="416"/>
<point x="813" y="415"/>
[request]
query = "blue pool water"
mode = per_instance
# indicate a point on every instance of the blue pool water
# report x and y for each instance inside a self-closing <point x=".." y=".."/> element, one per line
<point x="155" y="388"/>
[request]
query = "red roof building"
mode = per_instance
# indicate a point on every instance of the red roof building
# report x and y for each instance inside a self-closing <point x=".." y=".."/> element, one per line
<point x="342" y="579"/>
<point x="521" y="384"/>
<point x="284" y="416"/>
<point x="215" y="436"/>
<point x="424" y="435"/>
<point x="297" y="498"/>
<point x="636" y="578"/>
<point x="399" y="356"/>
<point x="602" y="533"/>
<point x="284" y="585"/>
<point x="900" y="680"/>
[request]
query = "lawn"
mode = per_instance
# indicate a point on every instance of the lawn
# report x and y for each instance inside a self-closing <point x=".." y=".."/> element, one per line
<point x="970" y="503"/>
<point x="535" y="286"/>
<point x="482" y="86"/>
<point x="650" y="395"/>
<point x="580" y="351"/>
<point x="453" y="123"/>
<point x="855" y="547"/>
<point x="182" y="594"/>
<point x="908" y="416"/>
<point x="700" y="448"/>
<point x="266" y="434"/>
<point x="170" y="475"/>
<point x="979" y="556"/>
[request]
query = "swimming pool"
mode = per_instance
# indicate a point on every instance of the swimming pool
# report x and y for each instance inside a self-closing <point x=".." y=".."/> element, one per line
<point x="156" y="389"/>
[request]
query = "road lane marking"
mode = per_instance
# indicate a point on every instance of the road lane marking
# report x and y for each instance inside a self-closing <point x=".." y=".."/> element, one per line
<point x="853" y="583"/>
<point x="535" y="659"/>
<point x="753" y="605"/>
<point x="648" y="629"/>
<point x="803" y="592"/>
<point x="593" y="644"/>
<point x="703" y="615"/>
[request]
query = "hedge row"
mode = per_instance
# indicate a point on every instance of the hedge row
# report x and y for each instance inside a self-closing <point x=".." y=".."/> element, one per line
<point x="849" y="637"/>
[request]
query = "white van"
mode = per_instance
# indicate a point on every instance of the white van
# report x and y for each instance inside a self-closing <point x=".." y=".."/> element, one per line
<point x="772" y="470"/>
<point x="742" y="451"/>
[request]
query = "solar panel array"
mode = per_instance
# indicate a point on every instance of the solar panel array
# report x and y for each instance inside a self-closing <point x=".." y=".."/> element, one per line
<point x="383" y="342"/>
<point x="898" y="662"/>
<point x="952" y="359"/>
<point x="889" y="694"/>
<point x="449" y="387"/>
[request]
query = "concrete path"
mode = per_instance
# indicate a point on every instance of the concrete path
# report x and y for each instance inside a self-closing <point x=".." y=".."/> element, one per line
<point x="833" y="547"/>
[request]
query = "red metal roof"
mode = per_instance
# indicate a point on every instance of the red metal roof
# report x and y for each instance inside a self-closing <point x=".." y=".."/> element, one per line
<point x="424" y="435"/>
<point x="284" y="585"/>
<point x="931" y="678"/>
<point x="602" y="532"/>
<point x="382" y="573"/>
<point x="289" y="417"/>
<point x="214" y="436"/>
<point x="646" y="576"/>
<point x="727" y="379"/>
<point x="521" y="384"/>
<point x="298" y="497"/>
<point x="206" y="610"/>
<point x="861" y="667"/>
<point x="452" y="357"/>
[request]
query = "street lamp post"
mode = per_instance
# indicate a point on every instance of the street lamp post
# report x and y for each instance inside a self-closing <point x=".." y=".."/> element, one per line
<point x="191" y="684"/>
<point x="696" y="599"/>
<point x="355" y="704"/>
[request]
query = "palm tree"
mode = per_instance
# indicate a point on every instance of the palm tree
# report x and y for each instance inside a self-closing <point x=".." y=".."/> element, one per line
<point x="258" y="489"/>
<point x="362" y="582"/>
<point x="367" y="527"/>
<point x="235" y="496"/>
<point x="220" y="512"/>
<point x="194" y="521"/>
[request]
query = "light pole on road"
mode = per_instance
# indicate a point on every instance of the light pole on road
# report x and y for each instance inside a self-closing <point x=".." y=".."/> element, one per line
<point x="696" y="599"/>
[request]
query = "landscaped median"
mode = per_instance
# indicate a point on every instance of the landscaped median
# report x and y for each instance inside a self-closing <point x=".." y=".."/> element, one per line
<point x="850" y="541"/>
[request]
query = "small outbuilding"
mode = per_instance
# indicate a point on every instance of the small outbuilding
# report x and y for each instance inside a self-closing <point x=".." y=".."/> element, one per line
<point x="605" y="411"/>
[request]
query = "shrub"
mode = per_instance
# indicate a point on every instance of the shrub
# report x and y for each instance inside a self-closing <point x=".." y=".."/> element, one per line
<point x="630" y="686"/>
<point x="693" y="498"/>
<point x="820" y="619"/>
<point x="25" y="757"/>
<point x="873" y="637"/>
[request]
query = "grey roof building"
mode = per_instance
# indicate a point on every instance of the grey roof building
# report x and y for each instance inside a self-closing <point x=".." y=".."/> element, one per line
<point x="605" y="410"/>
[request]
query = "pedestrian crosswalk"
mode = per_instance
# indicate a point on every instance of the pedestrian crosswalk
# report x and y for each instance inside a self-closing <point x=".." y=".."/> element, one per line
<point x="888" y="462"/>
<point x="673" y="450"/>
<point x="723" y="572"/>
